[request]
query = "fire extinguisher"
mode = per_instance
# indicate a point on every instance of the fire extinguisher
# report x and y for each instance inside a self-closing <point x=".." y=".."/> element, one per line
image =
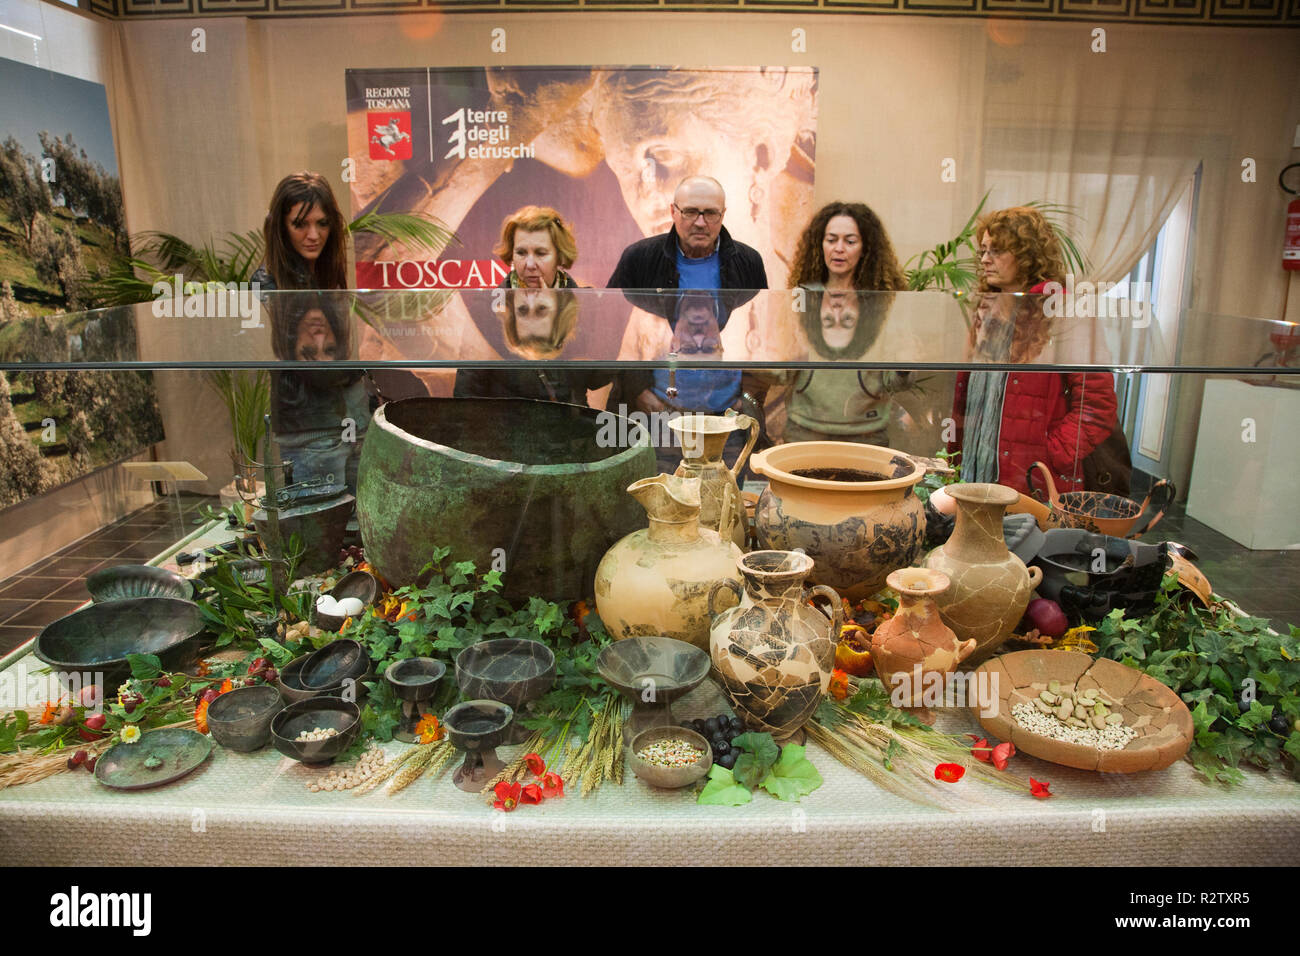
<point x="1291" y="247"/>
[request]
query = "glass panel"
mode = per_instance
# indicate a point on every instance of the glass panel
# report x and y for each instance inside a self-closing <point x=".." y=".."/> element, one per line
<point x="566" y="328"/>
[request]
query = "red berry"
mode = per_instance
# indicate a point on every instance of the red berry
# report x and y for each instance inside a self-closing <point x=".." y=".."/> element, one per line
<point x="260" y="664"/>
<point x="164" y="681"/>
<point x="96" y="722"/>
<point x="76" y="760"/>
<point x="271" y="675"/>
<point x="90" y="763"/>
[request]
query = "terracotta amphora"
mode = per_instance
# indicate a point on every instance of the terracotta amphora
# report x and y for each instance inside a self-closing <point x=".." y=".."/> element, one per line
<point x="658" y="581"/>
<point x="774" y="653"/>
<point x="990" y="587"/>
<point x="703" y="439"/>
<point x="915" y="641"/>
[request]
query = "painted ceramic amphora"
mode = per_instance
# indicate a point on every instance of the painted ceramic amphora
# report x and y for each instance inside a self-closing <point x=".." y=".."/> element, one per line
<point x="703" y="439"/>
<point x="915" y="641"/>
<point x="851" y="507"/>
<point x="990" y="587"/>
<point x="657" y="581"/>
<point x="774" y="652"/>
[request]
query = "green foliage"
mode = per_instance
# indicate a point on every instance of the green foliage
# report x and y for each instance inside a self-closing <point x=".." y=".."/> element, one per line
<point x="722" y="790"/>
<point x="933" y="480"/>
<point x="784" y="772"/>
<point x="1210" y="657"/>
<point x="247" y="396"/>
<point x="455" y="607"/>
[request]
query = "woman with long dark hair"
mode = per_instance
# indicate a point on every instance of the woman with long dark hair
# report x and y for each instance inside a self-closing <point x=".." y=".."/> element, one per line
<point x="847" y="264"/>
<point x="318" y="418"/>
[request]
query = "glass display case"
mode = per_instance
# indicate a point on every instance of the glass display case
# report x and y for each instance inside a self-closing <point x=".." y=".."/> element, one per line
<point x="516" y="429"/>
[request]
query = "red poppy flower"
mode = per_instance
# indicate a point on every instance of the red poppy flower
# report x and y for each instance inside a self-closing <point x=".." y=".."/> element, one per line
<point x="552" y="785"/>
<point x="839" y="687"/>
<point x="1039" y="788"/>
<point x="949" y="772"/>
<point x="507" y="796"/>
<point x="1002" y="753"/>
<point x="531" y="794"/>
<point x="536" y="766"/>
<point x="980" y="750"/>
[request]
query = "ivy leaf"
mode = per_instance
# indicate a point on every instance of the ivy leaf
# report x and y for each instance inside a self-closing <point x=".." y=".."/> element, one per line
<point x="1292" y="745"/>
<point x="279" y="654"/>
<point x="722" y="789"/>
<point x="793" y="776"/>
<point x="144" y="666"/>
<point x="1257" y="715"/>
<point x="1211" y="646"/>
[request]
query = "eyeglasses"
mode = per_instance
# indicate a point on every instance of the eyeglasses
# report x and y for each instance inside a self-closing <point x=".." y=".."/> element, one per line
<point x="992" y="252"/>
<point x="690" y="214"/>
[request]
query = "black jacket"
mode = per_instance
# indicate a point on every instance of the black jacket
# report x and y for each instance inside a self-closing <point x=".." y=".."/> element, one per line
<point x="650" y="268"/>
<point x="651" y="264"/>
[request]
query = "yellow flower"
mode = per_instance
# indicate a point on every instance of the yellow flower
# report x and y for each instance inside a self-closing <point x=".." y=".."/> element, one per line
<point x="130" y="734"/>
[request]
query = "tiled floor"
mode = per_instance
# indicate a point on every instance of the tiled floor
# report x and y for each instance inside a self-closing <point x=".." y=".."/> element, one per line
<point x="1266" y="583"/>
<point x="55" y="585"/>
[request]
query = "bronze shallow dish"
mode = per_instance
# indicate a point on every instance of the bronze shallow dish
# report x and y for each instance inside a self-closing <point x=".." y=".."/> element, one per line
<point x="158" y="757"/>
<point x="1161" y="719"/>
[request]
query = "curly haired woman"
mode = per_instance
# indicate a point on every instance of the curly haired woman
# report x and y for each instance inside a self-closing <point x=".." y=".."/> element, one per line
<point x="846" y="261"/>
<point x="1008" y="420"/>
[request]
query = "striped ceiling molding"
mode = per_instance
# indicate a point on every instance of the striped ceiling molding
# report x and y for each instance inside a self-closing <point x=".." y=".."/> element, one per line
<point x="1285" y="13"/>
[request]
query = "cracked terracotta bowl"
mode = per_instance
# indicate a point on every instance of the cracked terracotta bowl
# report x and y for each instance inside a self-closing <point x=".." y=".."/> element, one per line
<point x="1161" y="719"/>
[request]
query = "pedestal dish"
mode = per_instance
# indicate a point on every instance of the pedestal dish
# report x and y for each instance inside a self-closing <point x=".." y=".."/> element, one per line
<point x="652" y="672"/>
<point x="478" y="727"/>
<point x="413" y="681"/>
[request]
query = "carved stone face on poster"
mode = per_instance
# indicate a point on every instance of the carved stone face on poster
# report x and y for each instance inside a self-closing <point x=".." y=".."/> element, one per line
<point x="605" y="147"/>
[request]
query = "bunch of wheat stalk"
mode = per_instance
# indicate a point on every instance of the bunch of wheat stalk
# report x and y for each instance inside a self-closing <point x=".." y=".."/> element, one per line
<point x="413" y="763"/>
<point x="902" y="759"/>
<point x="598" y="759"/>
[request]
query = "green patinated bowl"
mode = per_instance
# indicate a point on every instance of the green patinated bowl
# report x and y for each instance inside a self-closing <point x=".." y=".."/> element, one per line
<point x="538" y="488"/>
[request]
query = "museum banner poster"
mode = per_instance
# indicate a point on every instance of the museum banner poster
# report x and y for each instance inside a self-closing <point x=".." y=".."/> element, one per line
<point x="605" y="146"/>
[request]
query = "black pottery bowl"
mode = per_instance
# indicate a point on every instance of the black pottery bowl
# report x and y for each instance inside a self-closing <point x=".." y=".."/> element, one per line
<point x="413" y="678"/>
<point x="291" y="688"/>
<point x="329" y="713"/>
<point x="675" y="667"/>
<point x="358" y="584"/>
<point x="99" y="637"/>
<point x="333" y="664"/>
<point x="512" y="670"/>
<point x="241" y="719"/>
<point x="478" y="724"/>
<point x="138" y="580"/>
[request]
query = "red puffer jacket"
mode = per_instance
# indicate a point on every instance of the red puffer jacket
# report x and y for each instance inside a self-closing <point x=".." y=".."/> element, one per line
<point x="1053" y="417"/>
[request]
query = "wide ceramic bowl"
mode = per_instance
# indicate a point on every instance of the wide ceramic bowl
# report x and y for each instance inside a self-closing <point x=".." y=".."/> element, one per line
<point x="327" y="713"/>
<point x="511" y="670"/>
<point x="289" y="684"/>
<point x="98" y="638"/>
<point x="241" y="719"/>
<point x="334" y="664"/>
<point x="1161" y="719"/>
<point x="138" y="580"/>
<point x="669" y="778"/>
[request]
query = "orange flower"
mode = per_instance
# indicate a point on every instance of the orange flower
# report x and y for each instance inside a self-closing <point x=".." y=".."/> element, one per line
<point x="227" y="685"/>
<point x="429" y="729"/>
<point x="201" y="717"/>
<point x="839" y="688"/>
<point x="51" y="709"/>
<point x="203" y="669"/>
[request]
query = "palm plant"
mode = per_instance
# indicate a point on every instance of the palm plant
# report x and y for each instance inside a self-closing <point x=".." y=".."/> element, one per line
<point x="247" y="396"/>
<point x="159" y="256"/>
<point x="952" y="265"/>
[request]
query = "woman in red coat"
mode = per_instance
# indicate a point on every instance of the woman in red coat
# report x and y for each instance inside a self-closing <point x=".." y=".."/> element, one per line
<point x="1008" y="420"/>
